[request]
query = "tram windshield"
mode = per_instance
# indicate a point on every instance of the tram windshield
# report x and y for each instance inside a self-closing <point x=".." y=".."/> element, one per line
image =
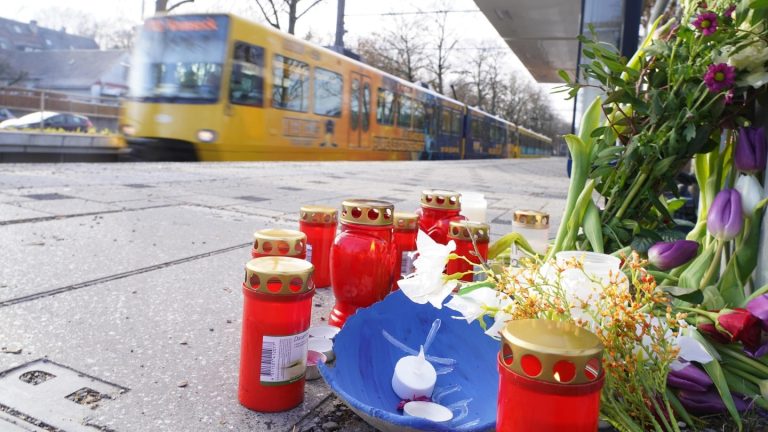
<point x="179" y="59"/>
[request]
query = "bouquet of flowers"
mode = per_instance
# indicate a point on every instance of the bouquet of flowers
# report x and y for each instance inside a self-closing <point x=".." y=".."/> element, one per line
<point x="683" y="324"/>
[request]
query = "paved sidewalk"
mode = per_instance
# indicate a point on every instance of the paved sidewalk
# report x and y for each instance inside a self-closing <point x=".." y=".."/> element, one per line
<point x="126" y="278"/>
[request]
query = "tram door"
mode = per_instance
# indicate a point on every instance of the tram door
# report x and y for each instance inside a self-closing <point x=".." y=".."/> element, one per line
<point x="359" y="112"/>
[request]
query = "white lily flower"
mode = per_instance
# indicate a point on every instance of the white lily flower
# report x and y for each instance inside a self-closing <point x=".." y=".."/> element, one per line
<point x="756" y="79"/>
<point x="427" y="283"/>
<point x="751" y="193"/>
<point x="476" y="303"/>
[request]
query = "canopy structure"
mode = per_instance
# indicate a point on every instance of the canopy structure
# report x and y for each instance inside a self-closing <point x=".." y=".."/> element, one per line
<point x="542" y="33"/>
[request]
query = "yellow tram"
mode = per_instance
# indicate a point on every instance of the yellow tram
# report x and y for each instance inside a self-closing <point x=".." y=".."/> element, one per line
<point x="215" y="87"/>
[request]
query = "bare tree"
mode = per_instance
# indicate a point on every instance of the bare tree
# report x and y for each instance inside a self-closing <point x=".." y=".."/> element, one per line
<point x="443" y="43"/>
<point x="162" y="5"/>
<point x="10" y="75"/>
<point x="274" y="9"/>
<point x="400" y="51"/>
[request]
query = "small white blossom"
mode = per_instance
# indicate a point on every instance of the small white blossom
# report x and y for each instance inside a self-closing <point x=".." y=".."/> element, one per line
<point x="475" y="304"/>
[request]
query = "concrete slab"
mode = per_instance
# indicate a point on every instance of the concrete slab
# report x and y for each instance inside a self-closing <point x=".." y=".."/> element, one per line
<point x="9" y="212"/>
<point x="171" y="336"/>
<point x="83" y="249"/>
<point x="149" y="298"/>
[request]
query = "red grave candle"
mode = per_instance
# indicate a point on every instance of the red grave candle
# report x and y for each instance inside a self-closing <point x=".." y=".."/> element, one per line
<point x="438" y="209"/>
<point x="319" y="224"/>
<point x="277" y="311"/>
<point x="550" y="377"/>
<point x="406" y="228"/>
<point x="463" y="233"/>
<point x="362" y="257"/>
<point x="279" y="242"/>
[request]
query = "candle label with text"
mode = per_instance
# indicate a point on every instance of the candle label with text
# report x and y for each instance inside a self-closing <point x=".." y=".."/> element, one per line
<point x="309" y="252"/>
<point x="406" y="264"/>
<point x="283" y="358"/>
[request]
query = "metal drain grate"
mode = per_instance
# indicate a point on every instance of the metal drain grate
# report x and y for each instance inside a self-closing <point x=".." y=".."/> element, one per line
<point x="88" y="397"/>
<point x="36" y="377"/>
<point x="48" y="196"/>
<point x="46" y="396"/>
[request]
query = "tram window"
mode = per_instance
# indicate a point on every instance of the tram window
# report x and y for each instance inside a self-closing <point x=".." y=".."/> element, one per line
<point x="476" y="132"/>
<point x="404" y="111"/>
<point x="290" y="84"/>
<point x="418" y="115"/>
<point x="354" y="106"/>
<point x="328" y="88"/>
<point x="445" y="121"/>
<point x="456" y="121"/>
<point x="247" y="80"/>
<point x="366" y="106"/>
<point x="385" y="107"/>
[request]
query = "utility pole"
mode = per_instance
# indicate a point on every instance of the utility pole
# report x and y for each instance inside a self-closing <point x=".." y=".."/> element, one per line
<point x="338" y="45"/>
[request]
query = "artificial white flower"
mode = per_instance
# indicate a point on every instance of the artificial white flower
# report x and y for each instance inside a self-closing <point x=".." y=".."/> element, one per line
<point x="756" y="79"/>
<point x="475" y="304"/>
<point x="751" y="193"/>
<point x="500" y="321"/>
<point x="427" y="283"/>
<point x="692" y="350"/>
<point x="751" y="58"/>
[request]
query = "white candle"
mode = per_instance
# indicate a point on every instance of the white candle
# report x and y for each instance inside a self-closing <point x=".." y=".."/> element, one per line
<point x="414" y="377"/>
<point x="473" y="206"/>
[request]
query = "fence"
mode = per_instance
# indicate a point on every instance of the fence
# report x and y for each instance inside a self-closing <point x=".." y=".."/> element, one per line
<point x="23" y="99"/>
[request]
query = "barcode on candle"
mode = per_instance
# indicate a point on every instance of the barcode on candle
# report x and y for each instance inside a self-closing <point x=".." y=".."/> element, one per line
<point x="283" y="358"/>
<point x="406" y="263"/>
<point x="309" y="252"/>
<point x="267" y="358"/>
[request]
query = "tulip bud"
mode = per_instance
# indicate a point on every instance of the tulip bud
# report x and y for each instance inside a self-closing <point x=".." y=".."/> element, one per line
<point x="668" y="255"/>
<point x="751" y="193"/>
<point x="750" y="154"/>
<point x="726" y="217"/>
<point x="709" y="402"/>
<point x="689" y="377"/>
<point x="742" y="327"/>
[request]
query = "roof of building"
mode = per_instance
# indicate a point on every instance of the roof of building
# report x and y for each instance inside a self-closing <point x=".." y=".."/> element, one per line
<point x="16" y="35"/>
<point x="63" y="69"/>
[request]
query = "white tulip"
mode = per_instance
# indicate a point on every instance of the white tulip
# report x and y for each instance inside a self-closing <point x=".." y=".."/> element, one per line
<point x="427" y="283"/>
<point x="475" y="304"/>
<point x="751" y="193"/>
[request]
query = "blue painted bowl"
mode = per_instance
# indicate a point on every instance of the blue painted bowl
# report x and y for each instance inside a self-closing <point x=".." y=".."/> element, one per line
<point x="366" y="357"/>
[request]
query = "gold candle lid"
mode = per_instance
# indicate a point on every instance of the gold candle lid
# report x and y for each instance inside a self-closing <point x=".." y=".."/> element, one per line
<point x="406" y="221"/>
<point x="367" y="212"/>
<point x="279" y="242"/>
<point x="318" y="214"/>
<point x="278" y="275"/>
<point x="558" y="352"/>
<point x="441" y="199"/>
<point x="531" y="219"/>
<point x="468" y="230"/>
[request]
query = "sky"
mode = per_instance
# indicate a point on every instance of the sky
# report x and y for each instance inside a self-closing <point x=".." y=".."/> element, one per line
<point x="363" y="17"/>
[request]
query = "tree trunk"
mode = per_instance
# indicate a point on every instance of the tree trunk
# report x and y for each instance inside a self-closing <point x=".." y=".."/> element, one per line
<point x="292" y="16"/>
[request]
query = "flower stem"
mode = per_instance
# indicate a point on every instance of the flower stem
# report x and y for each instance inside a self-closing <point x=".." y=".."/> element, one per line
<point x="714" y="265"/>
<point x="754" y="364"/>
<point x="632" y="192"/>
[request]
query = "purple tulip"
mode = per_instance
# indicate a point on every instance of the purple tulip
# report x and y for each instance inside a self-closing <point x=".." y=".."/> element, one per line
<point x="751" y="151"/>
<point x="725" y="218"/>
<point x="758" y="307"/>
<point x="709" y="402"/>
<point x="689" y="378"/>
<point x="668" y="255"/>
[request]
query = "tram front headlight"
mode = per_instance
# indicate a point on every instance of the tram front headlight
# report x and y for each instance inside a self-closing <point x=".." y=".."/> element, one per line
<point x="206" y="135"/>
<point x="128" y="130"/>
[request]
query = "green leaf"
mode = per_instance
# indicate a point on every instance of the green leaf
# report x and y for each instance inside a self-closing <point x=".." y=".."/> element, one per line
<point x="506" y="241"/>
<point x="692" y="276"/>
<point x="564" y="75"/>
<point x="678" y="408"/>
<point x="758" y="4"/>
<point x="690" y="295"/>
<point x="715" y="372"/>
<point x="690" y="132"/>
<point x="469" y="288"/>
<point x="741" y="266"/>
<point x="593" y="228"/>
